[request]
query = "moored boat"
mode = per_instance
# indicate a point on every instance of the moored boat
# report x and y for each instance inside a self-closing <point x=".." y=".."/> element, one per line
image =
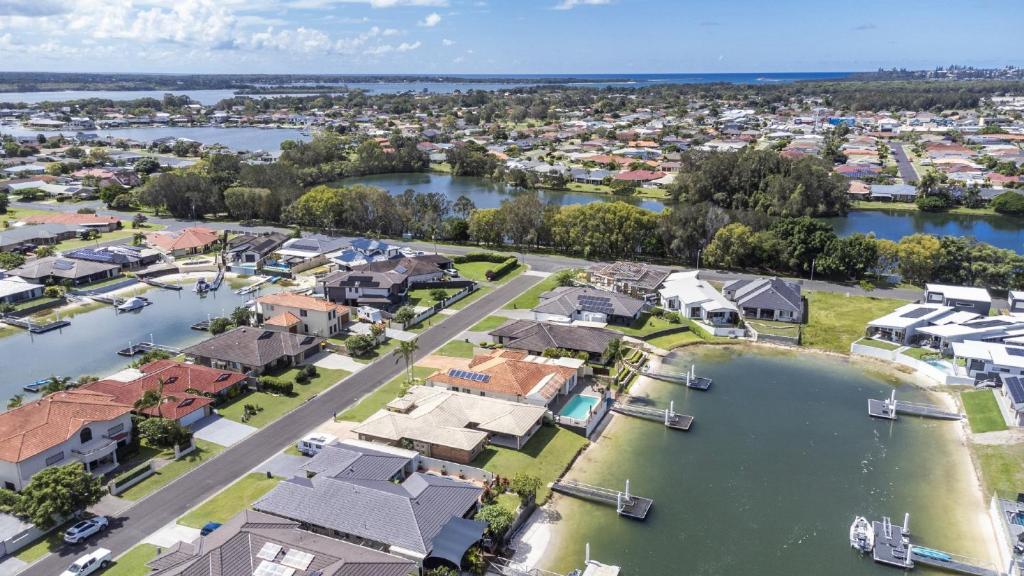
<point x="862" y="534"/>
<point x="133" y="303"/>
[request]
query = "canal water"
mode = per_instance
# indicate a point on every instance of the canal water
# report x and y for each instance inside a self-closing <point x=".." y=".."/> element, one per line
<point x="89" y="345"/>
<point x="781" y="458"/>
<point x="1001" y="231"/>
<point x="483" y="192"/>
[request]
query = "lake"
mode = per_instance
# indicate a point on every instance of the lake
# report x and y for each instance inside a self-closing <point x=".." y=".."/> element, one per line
<point x="781" y="457"/>
<point x="1001" y="231"/>
<point x="483" y="192"/>
<point x="245" y="138"/>
<point x="90" y="344"/>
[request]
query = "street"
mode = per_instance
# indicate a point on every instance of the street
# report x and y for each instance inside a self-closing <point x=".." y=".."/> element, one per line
<point x="907" y="171"/>
<point x="170" y="502"/>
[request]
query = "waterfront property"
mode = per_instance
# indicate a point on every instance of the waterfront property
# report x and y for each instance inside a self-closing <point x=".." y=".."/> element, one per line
<point x="127" y="257"/>
<point x="57" y="270"/>
<point x="767" y="299"/>
<point x="902" y="324"/>
<point x="631" y="278"/>
<point x="246" y="253"/>
<point x="451" y="425"/>
<point x="95" y="222"/>
<point x="26" y="238"/>
<point x="513" y="375"/>
<point x="184" y="242"/>
<point x="64" y="427"/>
<point x="568" y="303"/>
<point x="1010" y="398"/>
<point x="963" y="298"/>
<point x="535" y="337"/>
<point x="381" y="290"/>
<point x="686" y="293"/>
<point x="300" y="254"/>
<point x="424" y="518"/>
<point x="297" y="313"/>
<point x="255" y="542"/>
<point x="254" y="350"/>
<point x="987" y="361"/>
<point x="14" y="290"/>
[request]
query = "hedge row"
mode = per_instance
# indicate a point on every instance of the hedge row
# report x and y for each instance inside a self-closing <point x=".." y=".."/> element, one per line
<point x="271" y="384"/>
<point x="506" y="266"/>
<point x="480" y="257"/>
<point x="132" y="474"/>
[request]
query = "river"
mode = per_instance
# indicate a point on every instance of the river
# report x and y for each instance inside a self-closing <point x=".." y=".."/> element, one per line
<point x="90" y="344"/>
<point x="1001" y="231"/>
<point x="781" y="458"/>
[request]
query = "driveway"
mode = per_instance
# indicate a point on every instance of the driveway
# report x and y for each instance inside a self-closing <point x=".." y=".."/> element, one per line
<point x="400" y="334"/>
<point x="339" y="361"/>
<point x="283" y="466"/>
<point x="12" y="565"/>
<point x="222" y="431"/>
<point x="171" y="534"/>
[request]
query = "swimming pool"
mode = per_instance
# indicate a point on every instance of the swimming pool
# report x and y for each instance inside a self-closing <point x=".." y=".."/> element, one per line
<point x="579" y="407"/>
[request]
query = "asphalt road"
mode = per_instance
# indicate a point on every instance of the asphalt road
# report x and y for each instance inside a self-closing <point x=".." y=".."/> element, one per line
<point x="167" y="504"/>
<point x="907" y="171"/>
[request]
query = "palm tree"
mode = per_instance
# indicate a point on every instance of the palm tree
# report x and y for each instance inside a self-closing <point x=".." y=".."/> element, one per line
<point x="154" y="397"/>
<point x="56" y="384"/>
<point x="15" y="401"/>
<point x="614" y="351"/>
<point x="407" y="350"/>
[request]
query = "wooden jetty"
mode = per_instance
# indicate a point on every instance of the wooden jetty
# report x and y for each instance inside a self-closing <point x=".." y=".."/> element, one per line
<point x="893" y="547"/>
<point x="689" y="378"/>
<point x="667" y="417"/>
<point x="626" y="504"/>
<point x="891" y="407"/>
<point x="143" y="347"/>
<point x="215" y="285"/>
<point x="33" y="327"/>
<point x="158" y="284"/>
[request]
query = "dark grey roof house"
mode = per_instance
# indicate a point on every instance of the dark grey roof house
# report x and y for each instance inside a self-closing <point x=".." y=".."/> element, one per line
<point x="424" y="518"/>
<point x="54" y="269"/>
<point x="13" y="239"/>
<point x="257" y="543"/>
<point x="767" y="299"/>
<point x="589" y="304"/>
<point x="536" y="337"/>
<point x="255" y="350"/>
<point x="254" y="248"/>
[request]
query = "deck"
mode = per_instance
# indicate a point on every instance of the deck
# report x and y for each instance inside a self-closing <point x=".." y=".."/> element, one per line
<point x="34" y="327"/>
<point x="143" y="347"/>
<point x="626" y="504"/>
<point x="893" y="548"/>
<point x="889" y="409"/>
<point x="158" y="284"/>
<point x="689" y="378"/>
<point x="667" y="417"/>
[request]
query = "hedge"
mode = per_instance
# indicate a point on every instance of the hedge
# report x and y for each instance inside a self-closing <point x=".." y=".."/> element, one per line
<point x="506" y="266"/>
<point x="274" y="385"/>
<point x="480" y="257"/>
<point x="130" y="475"/>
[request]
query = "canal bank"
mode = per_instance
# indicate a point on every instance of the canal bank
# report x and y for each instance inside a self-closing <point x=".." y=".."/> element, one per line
<point x="782" y="456"/>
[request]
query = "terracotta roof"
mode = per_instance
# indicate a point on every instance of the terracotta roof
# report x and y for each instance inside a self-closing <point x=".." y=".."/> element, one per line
<point x="182" y="376"/>
<point x="174" y="406"/>
<point x="302" y="302"/>
<point x="638" y="175"/>
<point x="183" y="240"/>
<point x="70" y="218"/>
<point x="286" y="319"/>
<point x="40" y="425"/>
<point x="510" y="373"/>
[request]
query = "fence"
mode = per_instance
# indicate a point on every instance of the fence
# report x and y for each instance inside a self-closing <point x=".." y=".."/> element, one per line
<point x="423" y="315"/>
<point x="126" y="481"/>
<point x="462" y="471"/>
<point x="786" y="335"/>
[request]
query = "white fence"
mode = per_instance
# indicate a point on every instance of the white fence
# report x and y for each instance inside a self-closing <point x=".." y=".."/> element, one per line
<point x="919" y="366"/>
<point x="439" y="306"/>
<point x="461" y="471"/>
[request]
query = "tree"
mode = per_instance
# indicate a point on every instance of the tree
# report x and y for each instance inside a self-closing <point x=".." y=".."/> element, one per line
<point x="153" y="398"/>
<point x="15" y="401"/>
<point x="219" y="325"/>
<point x="731" y="247"/>
<point x="566" y="277"/>
<point x="55" y="384"/>
<point x="919" y="257"/>
<point x="147" y="165"/>
<point x="498" y="518"/>
<point x="463" y="207"/>
<point x="615" y="350"/>
<point x="405" y="314"/>
<point x="485" y="227"/>
<point x="164" y="433"/>
<point x="442" y="571"/>
<point x="407" y="351"/>
<point x="850" y="258"/>
<point x="10" y="260"/>
<point x="360" y="345"/>
<point x="1011" y="203"/>
<point x="927" y="183"/>
<point x="438" y="294"/>
<point x="59" y="492"/>
<point x="44" y="251"/>
<point x="526" y="486"/>
<point x="240" y="316"/>
<point x="934" y="203"/>
<point x="5" y="201"/>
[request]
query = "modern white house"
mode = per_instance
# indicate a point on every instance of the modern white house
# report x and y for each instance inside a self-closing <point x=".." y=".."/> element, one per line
<point x="1016" y="302"/>
<point x="902" y="324"/>
<point x="965" y="298"/>
<point x="686" y="293"/>
<point x="302" y="314"/>
<point x="989" y="360"/>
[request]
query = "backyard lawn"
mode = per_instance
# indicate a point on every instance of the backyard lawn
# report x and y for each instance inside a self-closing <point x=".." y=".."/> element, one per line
<point x="1002" y="468"/>
<point x="423" y="297"/>
<point x="456" y="348"/>
<point x="230" y="501"/>
<point x="920" y="353"/>
<point x="670" y="341"/>
<point x="168" y="473"/>
<point x="489" y="323"/>
<point x="982" y="411"/>
<point x="133" y="562"/>
<point x="647" y="324"/>
<point x="546" y="456"/>
<point x="378" y="398"/>
<point x="531" y="297"/>
<point x="836" y="321"/>
<point x="275" y="406"/>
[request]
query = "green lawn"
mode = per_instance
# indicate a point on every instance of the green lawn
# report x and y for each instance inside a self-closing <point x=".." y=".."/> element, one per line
<point x="1002" y="468"/>
<point x="466" y="301"/>
<point x="920" y="353"/>
<point x="378" y="398"/>
<point x="381" y="349"/>
<point x="589" y="188"/>
<point x="230" y="501"/>
<point x="422" y="297"/>
<point x="836" y="321"/>
<point x="982" y="411"/>
<point x="35" y="302"/>
<point x="276" y="406"/>
<point x="547" y="455"/>
<point x="878" y="344"/>
<point x="123" y="233"/>
<point x="647" y="324"/>
<point x="488" y="324"/>
<point x="475" y="270"/>
<point x="50" y="542"/>
<point x="165" y="475"/>
<point x="670" y="341"/>
<point x="133" y="562"/>
<point x="456" y="348"/>
<point x="531" y="297"/>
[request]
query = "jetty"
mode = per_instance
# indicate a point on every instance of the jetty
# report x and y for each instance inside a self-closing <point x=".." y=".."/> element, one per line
<point x="626" y="504"/>
<point x="204" y="325"/>
<point x="143" y="347"/>
<point x="889" y="408"/>
<point x="217" y="280"/>
<point x="892" y="547"/>
<point x="158" y="284"/>
<point x="253" y="287"/>
<point x="668" y="417"/>
<point x="689" y="378"/>
<point x="35" y="327"/>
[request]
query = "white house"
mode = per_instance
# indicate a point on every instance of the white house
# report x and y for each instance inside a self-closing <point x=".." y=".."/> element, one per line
<point x="988" y="360"/>
<point x="901" y="325"/>
<point x="686" y="293"/>
<point x="966" y="298"/>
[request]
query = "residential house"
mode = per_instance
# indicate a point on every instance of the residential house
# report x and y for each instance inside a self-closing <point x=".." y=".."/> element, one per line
<point x="258" y="543"/>
<point x="14" y="290"/>
<point x="300" y="254"/>
<point x="966" y="298"/>
<point x="82" y="221"/>
<point x="767" y="299"/>
<point x="381" y="290"/>
<point x="248" y="252"/>
<point x="184" y="242"/>
<point x="988" y="361"/>
<point x="302" y="314"/>
<point x="127" y="257"/>
<point x="535" y="337"/>
<point x="1010" y="397"/>
<point x="902" y="324"/>
<point x="57" y="270"/>
<point x="26" y="238"/>
<point x="569" y="303"/>
<point x="416" y="269"/>
<point x="512" y="375"/>
<point x="686" y="293"/>
<point x="64" y="427"/>
<point x="424" y="518"/>
<point x="452" y="426"/>
<point x="893" y="192"/>
<point x="256" y="350"/>
<point x="1016" y="302"/>
<point x="630" y="278"/>
<point x="363" y="251"/>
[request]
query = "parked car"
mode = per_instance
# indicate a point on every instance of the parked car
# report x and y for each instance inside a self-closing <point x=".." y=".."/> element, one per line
<point x="209" y="527"/>
<point x="86" y="528"/>
<point x="98" y="559"/>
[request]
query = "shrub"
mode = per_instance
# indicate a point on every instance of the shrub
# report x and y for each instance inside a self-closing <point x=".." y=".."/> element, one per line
<point x="359" y="345"/>
<point x="439" y="294"/>
<point x="164" y="433"/>
<point x="497" y="517"/>
<point x="275" y="386"/>
<point x="309" y="371"/>
<point x="404" y="314"/>
<point x="506" y="266"/>
<point x="932" y="204"/>
<point x="219" y="325"/>
<point x="53" y="292"/>
<point x="480" y="257"/>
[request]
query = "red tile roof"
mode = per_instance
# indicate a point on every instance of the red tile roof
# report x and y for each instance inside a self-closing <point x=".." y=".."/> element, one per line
<point x="510" y="374"/>
<point x="639" y="175"/>
<point x="186" y="239"/>
<point x="50" y="421"/>
<point x="70" y="218"/>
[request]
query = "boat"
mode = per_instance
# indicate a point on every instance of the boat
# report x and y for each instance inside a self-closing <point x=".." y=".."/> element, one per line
<point x="862" y="534"/>
<point x="200" y="286"/>
<point x="35" y="386"/>
<point x="133" y="303"/>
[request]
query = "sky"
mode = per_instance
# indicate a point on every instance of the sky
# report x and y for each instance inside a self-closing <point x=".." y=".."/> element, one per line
<point x="505" y="36"/>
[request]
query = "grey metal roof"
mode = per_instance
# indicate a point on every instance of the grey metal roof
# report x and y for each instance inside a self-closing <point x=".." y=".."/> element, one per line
<point x="567" y="300"/>
<point x="767" y="293"/>
<point x="253" y="346"/>
<point x="60" y="268"/>
<point x="366" y="464"/>
<point x="538" y="336"/>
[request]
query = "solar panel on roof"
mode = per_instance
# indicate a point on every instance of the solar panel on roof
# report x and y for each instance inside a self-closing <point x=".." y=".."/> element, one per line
<point x="269" y="551"/>
<point x="63" y="265"/>
<point x="1016" y="388"/>
<point x="297" y="559"/>
<point x="468" y="375"/>
<point x="916" y="313"/>
<point x="1015" y="351"/>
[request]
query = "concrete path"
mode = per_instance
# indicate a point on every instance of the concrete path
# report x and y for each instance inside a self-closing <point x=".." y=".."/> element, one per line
<point x="339" y="362"/>
<point x="171" y="534"/>
<point x="110" y="506"/>
<point x="12" y="565"/>
<point x="402" y="335"/>
<point x="283" y="465"/>
<point x="537" y="273"/>
<point x="475" y="337"/>
<point x="516" y="314"/>
<point x="222" y="431"/>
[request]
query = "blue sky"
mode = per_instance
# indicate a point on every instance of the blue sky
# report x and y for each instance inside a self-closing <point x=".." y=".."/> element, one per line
<point x="504" y="36"/>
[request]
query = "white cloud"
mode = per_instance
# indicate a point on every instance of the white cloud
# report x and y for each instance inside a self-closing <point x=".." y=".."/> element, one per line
<point x="382" y="49"/>
<point x="447" y="42"/>
<point x="432" y="19"/>
<point x="570" y="4"/>
<point x="32" y="8"/>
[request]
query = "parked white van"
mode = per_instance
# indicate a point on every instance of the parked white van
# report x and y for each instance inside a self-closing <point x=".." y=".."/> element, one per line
<point x="312" y="444"/>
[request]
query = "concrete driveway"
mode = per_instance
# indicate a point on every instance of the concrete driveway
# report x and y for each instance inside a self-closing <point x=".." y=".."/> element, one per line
<point x="283" y="466"/>
<point x="221" y="431"/>
<point x="171" y="534"/>
<point x="339" y="361"/>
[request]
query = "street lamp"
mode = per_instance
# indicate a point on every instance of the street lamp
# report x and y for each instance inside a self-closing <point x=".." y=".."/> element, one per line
<point x="699" y="250"/>
<point x="813" y="262"/>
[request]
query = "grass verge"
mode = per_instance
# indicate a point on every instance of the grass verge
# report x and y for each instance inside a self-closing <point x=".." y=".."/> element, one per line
<point x="381" y="396"/>
<point x="456" y="348"/>
<point x="230" y="501"/>
<point x="168" y="473"/>
<point x="275" y="406"/>
<point x="488" y="324"/>
<point x="133" y="562"/>
<point x="983" y="411"/>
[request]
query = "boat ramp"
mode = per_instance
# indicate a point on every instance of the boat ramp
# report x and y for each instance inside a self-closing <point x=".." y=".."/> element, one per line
<point x="667" y="417"/>
<point x="689" y="378"/>
<point x="891" y="407"/>
<point x="893" y="547"/>
<point x="626" y="504"/>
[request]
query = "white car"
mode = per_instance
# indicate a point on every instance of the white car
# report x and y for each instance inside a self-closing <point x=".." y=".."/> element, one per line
<point x="85" y="528"/>
<point x="91" y="562"/>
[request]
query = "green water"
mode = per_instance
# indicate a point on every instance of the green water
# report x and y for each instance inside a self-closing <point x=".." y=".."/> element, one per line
<point x="781" y="457"/>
